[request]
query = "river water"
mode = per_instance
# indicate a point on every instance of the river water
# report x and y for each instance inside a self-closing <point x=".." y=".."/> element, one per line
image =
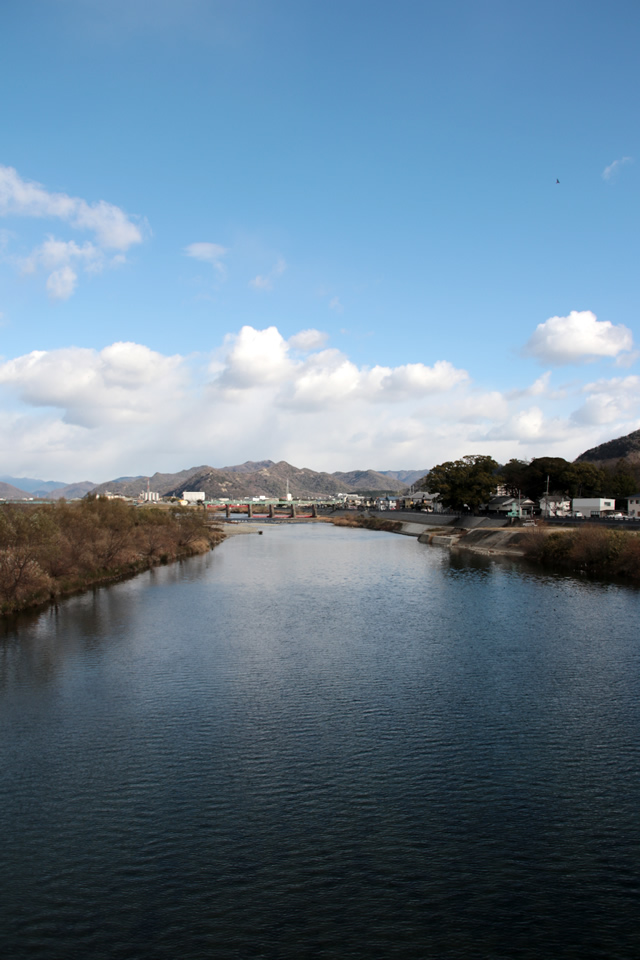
<point x="323" y="743"/>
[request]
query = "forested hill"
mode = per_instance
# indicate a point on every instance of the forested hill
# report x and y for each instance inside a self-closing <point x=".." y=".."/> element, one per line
<point x="608" y="454"/>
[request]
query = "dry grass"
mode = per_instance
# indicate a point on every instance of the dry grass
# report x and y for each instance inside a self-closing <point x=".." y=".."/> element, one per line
<point x="369" y="523"/>
<point x="589" y="549"/>
<point x="47" y="551"/>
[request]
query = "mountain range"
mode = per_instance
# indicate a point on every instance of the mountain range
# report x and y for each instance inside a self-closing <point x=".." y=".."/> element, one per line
<point x="22" y="488"/>
<point x="267" y="478"/>
<point x="264" y="478"/>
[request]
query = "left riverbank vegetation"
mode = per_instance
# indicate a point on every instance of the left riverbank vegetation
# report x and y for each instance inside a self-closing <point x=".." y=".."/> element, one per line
<point x="49" y="551"/>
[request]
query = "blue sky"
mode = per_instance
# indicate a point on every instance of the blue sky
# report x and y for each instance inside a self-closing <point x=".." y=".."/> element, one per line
<point x="323" y="232"/>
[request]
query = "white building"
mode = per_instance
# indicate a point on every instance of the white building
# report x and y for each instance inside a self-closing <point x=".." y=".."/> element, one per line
<point x="593" y="506"/>
<point x="193" y="496"/>
<point x="633" y="505"/>
<point x="150" y="496"/>
<point x="554" y="506"/>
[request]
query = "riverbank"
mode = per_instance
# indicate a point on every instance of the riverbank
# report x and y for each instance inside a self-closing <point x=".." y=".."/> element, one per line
<point x="591" y="550"/>
<point x="52" y="551"/>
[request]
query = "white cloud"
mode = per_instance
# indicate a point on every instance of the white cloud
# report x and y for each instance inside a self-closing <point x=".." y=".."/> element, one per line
<point x="308" y="340"/>
<point x="335" y="304"/>
<point x="265" y="281"/>
<point x="611" y="172"/>
<point x="123" y="383"/>
<point x="609" y="401"/>
<point x="62" y="283"/>
<point x="578" y="338"/>
<point x="412" y="379"/>
<point x="58" y="256"/>
<point x="255" y="357"/>
<point x="114" y="230"/>
<point x="126" y="409"/>
<point x="326" y="377"/>
<point x="209" y="253"/>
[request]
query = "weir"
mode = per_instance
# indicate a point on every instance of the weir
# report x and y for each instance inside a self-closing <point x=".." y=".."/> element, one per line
<point x="288" y="510"/>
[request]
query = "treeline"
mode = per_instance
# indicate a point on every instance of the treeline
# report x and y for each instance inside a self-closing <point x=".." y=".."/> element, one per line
<point x="471" y="481"/>
<point x="590" y="549"/>
<point x="47" y="551"/>
<point x="581" y="479"/>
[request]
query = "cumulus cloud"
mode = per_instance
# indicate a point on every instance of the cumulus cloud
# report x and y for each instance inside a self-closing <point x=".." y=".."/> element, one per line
<point x="123" y="383"/>
<point x="609" y="401"/>
<point x="114" y="230"/>
<point x="257" y="357"/>
<point x="254" y="358"/>
<point x="208" y="253"/>
<point x="265" y="281"/>
<point x="78" y="412"/>
<point x="611" y="172"/>
<point x="530" y="427"/>
<point x="578" y="338"/>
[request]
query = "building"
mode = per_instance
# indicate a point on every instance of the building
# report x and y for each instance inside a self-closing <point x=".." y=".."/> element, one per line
<point x="193" y="496"/>
<point x="633" y="505"/>
<point x="593" y="506"/>
<point x="554" y="506"/>
<point x="511" y="506"/>
<point x="150" y="496"/>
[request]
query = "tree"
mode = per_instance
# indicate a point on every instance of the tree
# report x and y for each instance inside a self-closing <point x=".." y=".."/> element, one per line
<point x="514" y="477"/>
<point x="463" y="483"/>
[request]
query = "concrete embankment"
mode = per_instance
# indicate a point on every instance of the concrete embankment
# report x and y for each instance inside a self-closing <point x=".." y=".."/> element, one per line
<point x="488" y="541"/>
<point x="504" y="542"/>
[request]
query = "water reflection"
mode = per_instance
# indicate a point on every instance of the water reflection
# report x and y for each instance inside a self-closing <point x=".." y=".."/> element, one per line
<point x="323" y="742"/>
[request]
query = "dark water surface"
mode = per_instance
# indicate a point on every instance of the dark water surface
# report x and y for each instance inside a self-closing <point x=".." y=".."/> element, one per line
<point x="323" y="743"/>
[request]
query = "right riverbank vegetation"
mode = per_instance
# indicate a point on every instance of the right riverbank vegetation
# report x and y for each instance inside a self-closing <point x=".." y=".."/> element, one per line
<point x="50" y="551"/>
<point x="593" y="550"/>
<point x="471" y="481"/>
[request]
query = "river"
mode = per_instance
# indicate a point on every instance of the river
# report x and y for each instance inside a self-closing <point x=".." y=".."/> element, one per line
<point x="323" y="743"/>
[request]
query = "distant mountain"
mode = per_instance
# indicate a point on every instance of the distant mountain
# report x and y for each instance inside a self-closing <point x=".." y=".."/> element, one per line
<point x="608" y="454"/>
<point x="161" y="483"/>
<point x="72" y="491"/>
<point x="251" y="466"/>
<point x="258" y="478"/>
<point x="408" y="477"/>
<point x="369" y="480"/>
<point x="271" y="479"/>
<point x="37" y="487"/>
<point x="9" y="492"/>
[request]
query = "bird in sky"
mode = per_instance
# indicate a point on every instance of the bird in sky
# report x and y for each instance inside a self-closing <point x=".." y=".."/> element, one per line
<point x="557" y="181"/>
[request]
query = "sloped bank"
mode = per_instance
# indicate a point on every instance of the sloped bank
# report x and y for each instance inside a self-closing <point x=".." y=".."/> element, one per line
<point x="488" y="541"/>
<point x="593" y="550"/>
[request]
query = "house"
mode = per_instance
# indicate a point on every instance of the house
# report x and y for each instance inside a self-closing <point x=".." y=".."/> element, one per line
<point x="511" y="506"/>
<point x="633" y="505"/>
<point x="593" y="506"/>
<point x="554" y="505"/>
